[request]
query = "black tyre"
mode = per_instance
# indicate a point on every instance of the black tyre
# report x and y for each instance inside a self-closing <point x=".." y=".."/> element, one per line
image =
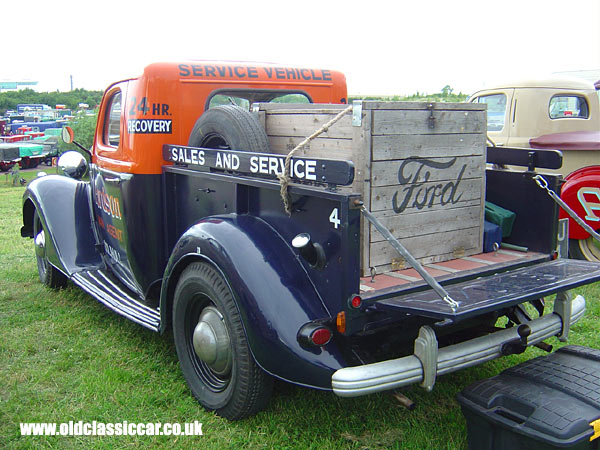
<point x="229" y="128"/>
<point x="49" y="275"/>
<point x="587" y="249"/>
<point x="212" y="348"/>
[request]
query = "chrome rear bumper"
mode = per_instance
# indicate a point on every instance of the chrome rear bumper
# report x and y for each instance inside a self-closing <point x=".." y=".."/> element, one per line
<point x="429" y="361"/>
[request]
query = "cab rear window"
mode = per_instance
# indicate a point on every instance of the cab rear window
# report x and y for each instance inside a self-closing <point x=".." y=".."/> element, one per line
<point x="245" y="98"/>
<point x="568" y="106"/>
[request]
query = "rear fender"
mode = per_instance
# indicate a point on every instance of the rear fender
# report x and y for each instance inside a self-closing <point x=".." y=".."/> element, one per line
<point x="273" y="292"/>
<point x="63" y="205"/>
<point x="581" y="192"/>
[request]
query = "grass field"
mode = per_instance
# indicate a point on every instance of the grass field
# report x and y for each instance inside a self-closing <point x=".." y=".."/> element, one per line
<point x="64" y="357"/>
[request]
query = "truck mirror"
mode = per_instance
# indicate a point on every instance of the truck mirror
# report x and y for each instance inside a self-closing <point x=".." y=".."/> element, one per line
<point x="68" y="135"/>
<point x="72" y="164"/>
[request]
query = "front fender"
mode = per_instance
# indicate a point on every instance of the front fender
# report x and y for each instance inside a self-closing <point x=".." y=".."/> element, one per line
<point x="63" y="205"/>
<point x="273" y="291"/>
<point x="581" y="192"/>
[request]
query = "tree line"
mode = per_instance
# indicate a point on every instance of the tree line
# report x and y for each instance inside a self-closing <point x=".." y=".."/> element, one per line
<point x="10" y="99"/>
<point x="446" y="95"/>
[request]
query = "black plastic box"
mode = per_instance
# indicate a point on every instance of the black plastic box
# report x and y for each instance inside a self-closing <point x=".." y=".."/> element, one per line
<point x="550" y="402"/>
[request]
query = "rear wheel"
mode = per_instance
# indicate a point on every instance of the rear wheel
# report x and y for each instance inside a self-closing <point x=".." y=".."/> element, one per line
<point x="49" y="275"/>
<point x="212" y="348"/>
<point x="588" y="249"/>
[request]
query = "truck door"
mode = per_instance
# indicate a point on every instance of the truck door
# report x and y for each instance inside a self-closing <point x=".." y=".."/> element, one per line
<point x="498" y="114"/>
<point x="108" y="185"/>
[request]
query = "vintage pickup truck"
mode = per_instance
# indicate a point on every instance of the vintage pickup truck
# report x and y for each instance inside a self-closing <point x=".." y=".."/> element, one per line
<point x="351" y="261"/>
<point x="562" y="114"/>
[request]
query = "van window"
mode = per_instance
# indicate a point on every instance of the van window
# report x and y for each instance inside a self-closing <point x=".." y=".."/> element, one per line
<point x="571" y="106"/>
<point x="112" y="122"/>
<point x="496" y="112"/>
<point x="244" y="99"/>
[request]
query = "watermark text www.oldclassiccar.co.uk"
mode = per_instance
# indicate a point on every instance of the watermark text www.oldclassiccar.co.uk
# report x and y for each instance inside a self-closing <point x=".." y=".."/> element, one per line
<point x="124" y="428"/>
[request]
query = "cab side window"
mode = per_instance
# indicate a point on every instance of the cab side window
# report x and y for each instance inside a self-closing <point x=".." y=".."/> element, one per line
<point x="112" y="121"/>
<point x="496" y="112"/>
<point x="572" y="106"/>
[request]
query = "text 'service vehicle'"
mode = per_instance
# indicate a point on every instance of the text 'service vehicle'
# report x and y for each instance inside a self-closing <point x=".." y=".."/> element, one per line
<point x="354" y="263"/>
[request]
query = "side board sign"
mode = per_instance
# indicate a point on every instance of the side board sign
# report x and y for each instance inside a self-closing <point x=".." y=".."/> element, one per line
<point x="264" y="165"/>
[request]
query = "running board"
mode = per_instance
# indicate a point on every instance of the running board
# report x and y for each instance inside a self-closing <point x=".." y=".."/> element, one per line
<point x="497" y="291"/>
<point x="108" y="292"/>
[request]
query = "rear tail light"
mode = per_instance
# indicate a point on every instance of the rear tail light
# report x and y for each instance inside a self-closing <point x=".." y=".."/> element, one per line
<point x="314" y="335"/>
<point x="355" y="301"/>
<point x="321" y="336"/>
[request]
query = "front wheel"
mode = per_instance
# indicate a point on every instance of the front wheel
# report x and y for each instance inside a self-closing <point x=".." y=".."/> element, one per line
<point x="212" y="348"/>
<point x="588" y="249"/>
<point x="49" y="275"/>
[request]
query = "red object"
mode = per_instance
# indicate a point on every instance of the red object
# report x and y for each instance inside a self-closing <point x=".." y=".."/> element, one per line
<point x="356" y="301"/>
<point x="321" y="336"/>
<point x="14" y="138"/>
<point x="581" y="192"/>
<point x="573" y="140"/>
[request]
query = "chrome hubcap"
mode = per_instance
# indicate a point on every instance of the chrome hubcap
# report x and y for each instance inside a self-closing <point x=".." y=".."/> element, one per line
<point x="211" y="341"/>
<point x="40" y="243"/>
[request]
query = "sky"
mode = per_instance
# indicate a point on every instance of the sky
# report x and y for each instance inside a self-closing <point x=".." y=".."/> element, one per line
<point x="389" y="47"/>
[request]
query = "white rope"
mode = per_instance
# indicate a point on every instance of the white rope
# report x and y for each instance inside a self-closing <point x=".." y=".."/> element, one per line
<point x="284" y="178"/>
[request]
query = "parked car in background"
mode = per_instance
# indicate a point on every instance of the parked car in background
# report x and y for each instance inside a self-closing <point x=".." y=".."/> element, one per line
<point x="562" y="114"/>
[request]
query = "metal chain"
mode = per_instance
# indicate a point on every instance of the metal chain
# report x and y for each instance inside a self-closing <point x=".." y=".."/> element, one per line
<point x="543" y="183"/>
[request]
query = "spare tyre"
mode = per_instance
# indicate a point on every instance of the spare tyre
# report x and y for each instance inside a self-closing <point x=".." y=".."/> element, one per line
<point x="229" y="128"/>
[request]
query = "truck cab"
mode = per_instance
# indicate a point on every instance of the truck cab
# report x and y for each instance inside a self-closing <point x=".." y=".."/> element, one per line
<point x="138" y="116"/>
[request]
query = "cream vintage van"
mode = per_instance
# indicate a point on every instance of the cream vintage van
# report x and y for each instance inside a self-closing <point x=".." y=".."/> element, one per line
<point x="561" y="114"/>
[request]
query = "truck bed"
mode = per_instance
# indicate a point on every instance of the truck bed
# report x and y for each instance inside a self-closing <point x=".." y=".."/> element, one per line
<point x="460" y="267"/>
<point x="478" y="284"/>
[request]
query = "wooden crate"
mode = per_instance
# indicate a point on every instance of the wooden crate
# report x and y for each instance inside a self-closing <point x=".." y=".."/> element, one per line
<point x="420" y="168"/>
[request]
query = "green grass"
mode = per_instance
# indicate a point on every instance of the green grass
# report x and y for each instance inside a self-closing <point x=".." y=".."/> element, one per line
<point x="63" y="357"/>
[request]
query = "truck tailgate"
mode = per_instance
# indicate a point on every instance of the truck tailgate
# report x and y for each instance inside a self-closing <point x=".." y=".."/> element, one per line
<point x="499" y="290"/>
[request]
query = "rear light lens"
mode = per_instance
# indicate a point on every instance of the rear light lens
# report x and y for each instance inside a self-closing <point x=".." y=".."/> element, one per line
<point x="340" y="322"/>
<point x="314" y="335"/>
<point x="321" y="336"/>
<point x="355" y="301"/>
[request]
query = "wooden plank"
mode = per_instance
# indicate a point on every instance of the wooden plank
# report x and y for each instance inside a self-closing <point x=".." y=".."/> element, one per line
<point x="468" y="193"/>
<point x="404" y="226"/>
<point x="438" y="106"/>
<point x="383" y="268"/>
<point x="304" y="125"/>
<point x="301" y="108"/>
<point x="318" y="148"/>
<point x="427" y="146"/>
<point x="417" y="122"/>
<point x="426" y="247"/>
<point x="362" y="143"/>
<point x="416" y="171"/>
